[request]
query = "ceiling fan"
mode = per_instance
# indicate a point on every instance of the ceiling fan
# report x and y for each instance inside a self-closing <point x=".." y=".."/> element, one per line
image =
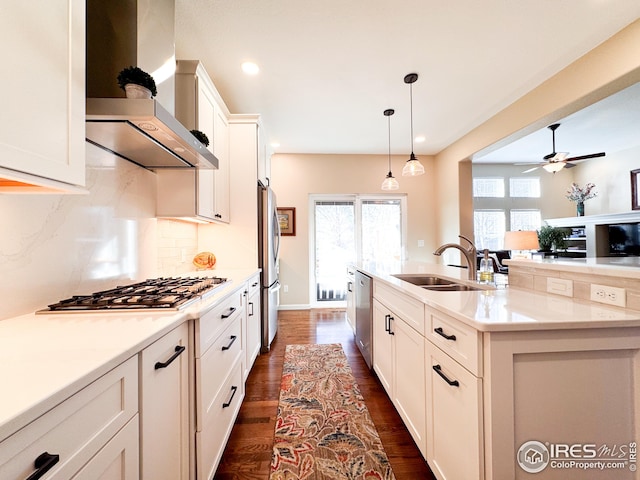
<point x="556" y="161"/>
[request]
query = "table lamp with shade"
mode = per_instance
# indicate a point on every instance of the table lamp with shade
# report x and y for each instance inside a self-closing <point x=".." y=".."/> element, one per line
<point x="521" y="243"/>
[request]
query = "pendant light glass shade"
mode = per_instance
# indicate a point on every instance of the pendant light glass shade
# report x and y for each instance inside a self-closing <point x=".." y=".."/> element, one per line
<point x="390" y="183"/>
<point x="413" y="167"/>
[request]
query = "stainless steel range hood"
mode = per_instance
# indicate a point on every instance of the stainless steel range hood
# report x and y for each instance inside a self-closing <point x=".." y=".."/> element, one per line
<point x="145" y="133"/>
<point x="136" y="32"/>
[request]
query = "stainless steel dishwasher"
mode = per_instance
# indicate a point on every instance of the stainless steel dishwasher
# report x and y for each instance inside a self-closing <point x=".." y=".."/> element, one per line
<point x="364" y="318"/>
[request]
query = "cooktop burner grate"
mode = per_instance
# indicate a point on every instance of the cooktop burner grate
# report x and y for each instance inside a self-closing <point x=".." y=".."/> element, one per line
<point x="168" y="293"/>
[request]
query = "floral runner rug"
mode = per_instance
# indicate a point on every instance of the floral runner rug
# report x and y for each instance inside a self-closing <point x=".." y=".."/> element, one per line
<point x="323" y="428"/>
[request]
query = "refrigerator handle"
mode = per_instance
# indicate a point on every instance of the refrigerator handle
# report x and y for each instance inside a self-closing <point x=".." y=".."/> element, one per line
<point x="275" y="287"/>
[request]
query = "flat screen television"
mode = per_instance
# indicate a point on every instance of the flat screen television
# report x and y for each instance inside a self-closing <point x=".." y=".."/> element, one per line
<point x="624" y="239"/>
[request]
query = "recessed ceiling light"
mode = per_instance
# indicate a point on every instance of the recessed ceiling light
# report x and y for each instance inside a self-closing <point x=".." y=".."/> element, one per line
<point x="250" y="68"/>
<point x="275" y="144"/>
<point x="420" y="139"/>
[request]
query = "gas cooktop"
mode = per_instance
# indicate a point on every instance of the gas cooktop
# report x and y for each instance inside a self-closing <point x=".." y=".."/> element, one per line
<point x="162" y="293"/>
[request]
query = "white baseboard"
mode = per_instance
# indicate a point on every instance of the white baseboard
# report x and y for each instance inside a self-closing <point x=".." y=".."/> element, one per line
<point x="294" y="307"/>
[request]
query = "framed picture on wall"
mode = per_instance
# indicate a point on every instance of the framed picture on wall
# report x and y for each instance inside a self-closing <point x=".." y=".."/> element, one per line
<point x="287" y="221"/>
<point x="635" y="189"/>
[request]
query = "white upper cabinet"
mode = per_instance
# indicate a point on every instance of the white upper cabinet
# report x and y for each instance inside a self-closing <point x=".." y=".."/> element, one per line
<point x="42" y="145"/>
<point x="199" y="106"/>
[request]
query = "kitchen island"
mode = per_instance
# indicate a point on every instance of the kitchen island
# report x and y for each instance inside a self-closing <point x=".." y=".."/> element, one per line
<point x="502" y="383"/>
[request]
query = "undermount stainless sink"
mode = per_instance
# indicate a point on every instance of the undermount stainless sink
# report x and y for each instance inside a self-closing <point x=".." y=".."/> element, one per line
<point x="422" y="280"/>
<point x="453" y="287"/>
<point x="436" y="284"/>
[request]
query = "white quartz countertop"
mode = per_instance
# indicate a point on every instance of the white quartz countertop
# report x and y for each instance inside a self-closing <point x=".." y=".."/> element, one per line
<point x="45" y="358"/>
<point x="626" y="267"/>
<point x="505" y="308"/>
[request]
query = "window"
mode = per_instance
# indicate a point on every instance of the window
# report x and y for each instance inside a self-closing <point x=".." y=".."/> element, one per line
<point x="495" y="212"/>
<point x="488" y="187"/>
<point x="488" y="229"/>
<point x="525" y="220"/>
<point x="524" y="187"/>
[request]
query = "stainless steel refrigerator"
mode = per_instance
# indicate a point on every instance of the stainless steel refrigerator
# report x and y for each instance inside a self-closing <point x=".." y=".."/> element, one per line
<point x="268" y="257"/>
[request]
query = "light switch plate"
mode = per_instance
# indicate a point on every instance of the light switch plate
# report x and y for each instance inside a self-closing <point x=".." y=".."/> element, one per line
<point x="560" y="286"/>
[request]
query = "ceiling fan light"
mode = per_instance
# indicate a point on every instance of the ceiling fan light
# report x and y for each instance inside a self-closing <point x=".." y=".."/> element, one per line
<point x="554" y="167"/>
<point x="390" y="183"/>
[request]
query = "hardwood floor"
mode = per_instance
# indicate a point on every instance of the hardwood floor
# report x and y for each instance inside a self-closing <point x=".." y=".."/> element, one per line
<point x="248" y="452"/>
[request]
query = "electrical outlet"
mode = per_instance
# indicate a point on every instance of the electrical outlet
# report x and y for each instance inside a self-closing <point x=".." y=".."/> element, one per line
<point x="609" y="295"/>
<point x="286" y="288"/>
<point x="420" y="243"/>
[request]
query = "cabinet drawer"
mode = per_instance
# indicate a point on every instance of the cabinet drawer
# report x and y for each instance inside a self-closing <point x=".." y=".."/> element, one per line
<point x="410" y="309"/>
<point x="211" y="324"/>
<point x="454" y="418"/>
<point x="214" y="367"/>
<point x="118" y="460"/>
<point x="254" y="285"/>
<point x="217" y="425"/>
<point x="462" y="342"/>
<point x="75" y="429"/>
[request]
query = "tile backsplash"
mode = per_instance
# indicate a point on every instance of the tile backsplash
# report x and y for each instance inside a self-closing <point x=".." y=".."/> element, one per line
<point x="55" y="246"/>
<point x="177" y="245"/>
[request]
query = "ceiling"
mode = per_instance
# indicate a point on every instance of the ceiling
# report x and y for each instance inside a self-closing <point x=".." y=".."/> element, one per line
<point x="329" y="68"/>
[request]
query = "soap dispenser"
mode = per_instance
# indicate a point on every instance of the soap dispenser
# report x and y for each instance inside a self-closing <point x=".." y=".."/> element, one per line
<point x="486" y="268"/>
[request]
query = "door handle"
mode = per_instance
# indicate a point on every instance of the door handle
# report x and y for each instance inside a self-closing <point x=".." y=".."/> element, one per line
<point x="453" y="383"/>
<point x="233" y="339"/>
<point x="178" y="350"/>
<point x="440" y="332"/>
<point x="227" y="315"/>
<point x="234" y="389"/>
<point x="43" y="463"/>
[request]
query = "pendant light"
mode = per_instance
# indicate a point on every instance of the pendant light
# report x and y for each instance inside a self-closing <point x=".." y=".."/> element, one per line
<point x="413" y="167"/>
<point x="390" y="183"/>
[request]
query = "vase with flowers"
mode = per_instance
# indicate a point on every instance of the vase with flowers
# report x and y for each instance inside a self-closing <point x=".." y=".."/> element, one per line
<point x="580" y="195"/>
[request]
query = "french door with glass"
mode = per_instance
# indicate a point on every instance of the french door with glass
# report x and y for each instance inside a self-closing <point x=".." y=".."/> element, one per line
<point x="349" y="229"/>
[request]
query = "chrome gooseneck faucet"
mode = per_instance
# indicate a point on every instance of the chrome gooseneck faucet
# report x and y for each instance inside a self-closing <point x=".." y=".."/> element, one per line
<point x="470" y="253"/>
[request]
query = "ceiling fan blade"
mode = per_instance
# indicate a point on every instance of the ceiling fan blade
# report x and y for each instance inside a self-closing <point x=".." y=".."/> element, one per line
<point x="585" y="157"/>
<point x="569" y="165"/>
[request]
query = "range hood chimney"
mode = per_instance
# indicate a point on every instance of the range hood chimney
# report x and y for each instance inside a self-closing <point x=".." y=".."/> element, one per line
<point x="121" y="33"/>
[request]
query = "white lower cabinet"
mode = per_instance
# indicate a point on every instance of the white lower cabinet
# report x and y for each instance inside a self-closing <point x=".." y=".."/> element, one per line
<point x="217" y="425"/>
<point x="351" y="298"/>
<point x="164" y="407"/>
<point x="253" y="325"/>
<point x="219" y="361"/>
<point x="117" y="460"/>
<point x="383" y="345"/>
<point x="396" y="346"/>
<point x="82" y="436"/>
<point x="454" y="418"/>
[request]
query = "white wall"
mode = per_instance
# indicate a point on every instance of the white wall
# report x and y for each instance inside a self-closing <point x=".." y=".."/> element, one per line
<point x="612" y="178"/>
